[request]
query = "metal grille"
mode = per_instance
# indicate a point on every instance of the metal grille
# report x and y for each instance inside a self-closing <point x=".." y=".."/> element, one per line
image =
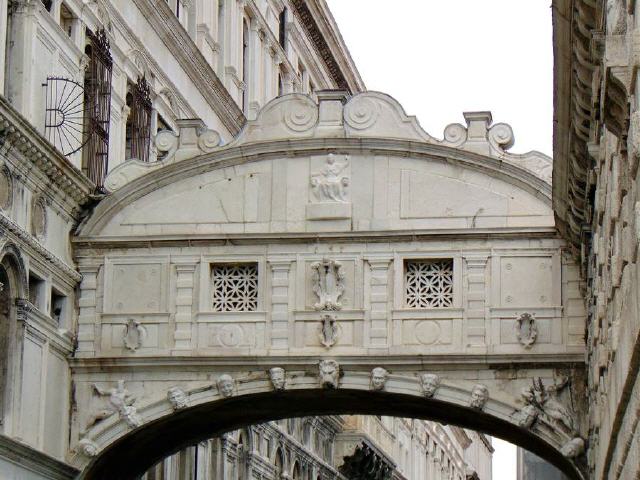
<point x="139" y="122"/>
<point x="65" y="123"/>
<point x="97" y="88"/>
<point x="429" y="283"/>
<point x="235" y="287"/>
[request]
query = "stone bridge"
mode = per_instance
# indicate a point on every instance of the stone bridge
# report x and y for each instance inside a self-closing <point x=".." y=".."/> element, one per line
<point x="334" y="258"/>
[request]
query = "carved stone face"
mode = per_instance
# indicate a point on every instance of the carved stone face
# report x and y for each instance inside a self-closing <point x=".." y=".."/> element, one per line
<point x="573" y="448"/>
<point x="430" y="383"/>
<point x="277" y="376"/>
<point x="225" y="385"/>
<point x="177" y="398"/>
<point x="528" y="416"/>
<point x="479" y="397"/>
<point x="378" y="378"/>
<point x="329" y="371"/>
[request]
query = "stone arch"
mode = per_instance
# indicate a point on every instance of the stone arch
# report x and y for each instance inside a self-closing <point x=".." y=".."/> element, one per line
<point x="13" y="292"/>
<point x="126" y="453"/>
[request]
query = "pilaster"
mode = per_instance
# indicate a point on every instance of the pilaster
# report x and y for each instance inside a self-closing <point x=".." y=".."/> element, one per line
<point x="476" y="302"/>
<point x="280" y="303"/>
<point x="184" y="305"/>
<point x="379" y="315"/>
<point x="87" y="306"/>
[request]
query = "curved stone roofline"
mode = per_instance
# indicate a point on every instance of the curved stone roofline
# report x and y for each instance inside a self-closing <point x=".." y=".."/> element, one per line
<point x="367" y="115"/>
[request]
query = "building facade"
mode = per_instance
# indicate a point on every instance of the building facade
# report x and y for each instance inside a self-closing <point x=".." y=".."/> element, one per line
<point x="86" y="86"/>
<point x="336" y="447"/>
<point x="596" y="154"/>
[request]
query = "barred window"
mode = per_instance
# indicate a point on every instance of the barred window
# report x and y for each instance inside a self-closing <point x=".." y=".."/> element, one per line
<point x="429" y="283"/>
<point x="235" y="287"/>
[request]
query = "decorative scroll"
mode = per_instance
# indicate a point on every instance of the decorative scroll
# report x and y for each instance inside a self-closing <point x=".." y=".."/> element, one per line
<point x="235" y="287"/>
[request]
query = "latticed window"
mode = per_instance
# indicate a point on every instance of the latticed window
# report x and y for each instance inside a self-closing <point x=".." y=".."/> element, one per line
<point x="235" y="287"/>
<point x="429" y="283"/>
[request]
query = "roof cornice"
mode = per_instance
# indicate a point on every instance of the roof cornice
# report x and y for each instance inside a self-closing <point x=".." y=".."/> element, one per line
<point x="323" y="32"/>
<point x="17" y="133"/>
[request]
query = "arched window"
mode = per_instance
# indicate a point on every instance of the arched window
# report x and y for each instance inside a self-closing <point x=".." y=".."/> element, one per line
<point x="295" y="473"/>
<point x="279" y="463"/>
<point x="137" y="139"/>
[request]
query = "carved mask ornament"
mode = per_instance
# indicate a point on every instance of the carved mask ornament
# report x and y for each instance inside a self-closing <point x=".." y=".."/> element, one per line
<point x="278" y="378"/>
<point x="177" y="398"/>
<point x="378" y="378"/>
<point x="225" y="385"/>
<point x="329" y="373"/>
<point x="429" y="383"/>
<point x="479" y="396"/>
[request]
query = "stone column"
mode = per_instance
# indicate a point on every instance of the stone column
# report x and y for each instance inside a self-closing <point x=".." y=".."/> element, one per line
<point x="184" y="305"/>
<point x="87" y="306"/>
<point x="19" y="75"/>
<point x="280" y="303"/>
<point x="476" y="307"/>
<point x="379" y="302"/>
<point x="254" y="70"/>
<point x="3" y="40"/>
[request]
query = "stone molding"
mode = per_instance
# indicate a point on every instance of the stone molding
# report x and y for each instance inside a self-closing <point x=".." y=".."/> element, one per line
<point x="17" y="133"/>
<point x="367" y="117"/>
<point x="35" y="461"/>
<point x="184" y="50"/>
<point x="71" y="274"/>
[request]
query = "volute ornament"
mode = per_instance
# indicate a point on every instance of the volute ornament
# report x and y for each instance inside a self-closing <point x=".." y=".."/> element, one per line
<point x="573" y="448"/>
<point x="526" y="330"/>
<point x="88" y="448"/>
<point x="328" y="284"/>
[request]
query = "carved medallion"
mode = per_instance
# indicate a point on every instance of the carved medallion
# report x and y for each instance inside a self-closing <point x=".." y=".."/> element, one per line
<point x="328" y="284"/>
<point x="328" y="330"/>
<point x="134" y="335"/>
<point x="526" y="330"/>
<point x="38" y="218"/>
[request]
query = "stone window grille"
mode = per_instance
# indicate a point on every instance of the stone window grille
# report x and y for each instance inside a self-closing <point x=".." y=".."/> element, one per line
<point x="429" y="283"/>
<point x="235" y="287"/>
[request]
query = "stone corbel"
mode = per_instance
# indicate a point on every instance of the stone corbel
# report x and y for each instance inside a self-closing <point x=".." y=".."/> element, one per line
<point x="193" y="139"/>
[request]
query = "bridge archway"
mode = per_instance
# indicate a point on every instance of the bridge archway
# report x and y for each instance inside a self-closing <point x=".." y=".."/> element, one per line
<point x="125" y="454"/>
<point x="355" y="190"/>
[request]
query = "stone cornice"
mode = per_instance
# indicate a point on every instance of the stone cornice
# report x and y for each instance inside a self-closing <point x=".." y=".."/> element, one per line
<point x="358" y="362"/>
<point x="17" y="133"/>
<point x="187" y="54"/>
<point x="195" y="240"/>
<point x="38" y="249"/>
<point x="321" y="29"/>
<point x="35" y="461"/>
<point x="573" y="24"/>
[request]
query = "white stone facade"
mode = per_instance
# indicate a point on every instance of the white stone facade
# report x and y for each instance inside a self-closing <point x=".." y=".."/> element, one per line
<point x="263" y="239"/>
